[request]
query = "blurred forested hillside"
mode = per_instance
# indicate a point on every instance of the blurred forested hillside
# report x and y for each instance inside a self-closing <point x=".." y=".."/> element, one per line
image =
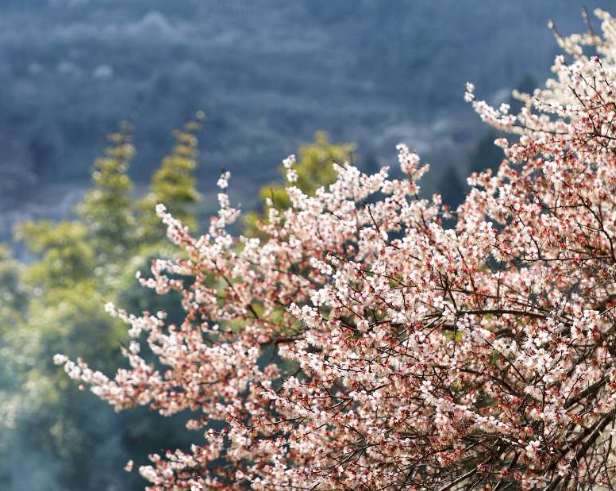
<point x="268" y="73"/>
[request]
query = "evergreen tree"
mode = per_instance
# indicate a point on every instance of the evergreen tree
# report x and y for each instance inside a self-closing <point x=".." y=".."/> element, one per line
<point x="173" y="184"/>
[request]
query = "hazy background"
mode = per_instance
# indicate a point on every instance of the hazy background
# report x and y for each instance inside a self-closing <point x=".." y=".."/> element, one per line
<point x="268" y="73"/>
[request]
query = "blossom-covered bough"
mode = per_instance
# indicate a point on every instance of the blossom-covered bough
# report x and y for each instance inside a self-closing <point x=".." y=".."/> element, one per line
<point x="365" y="346"/>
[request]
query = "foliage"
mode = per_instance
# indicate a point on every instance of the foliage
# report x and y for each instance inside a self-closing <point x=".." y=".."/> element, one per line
<point x="419" y="357"/>
<point x="65" y="256"/>
<point x="53" y="436"/>
<point x="106" y="209"/>
<point x="174" y="184"/>
<point x="13" y="292"/>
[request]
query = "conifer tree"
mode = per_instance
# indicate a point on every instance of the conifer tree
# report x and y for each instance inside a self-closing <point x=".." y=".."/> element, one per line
<point x="173" y="184"/>
<point x="106" y="209"/>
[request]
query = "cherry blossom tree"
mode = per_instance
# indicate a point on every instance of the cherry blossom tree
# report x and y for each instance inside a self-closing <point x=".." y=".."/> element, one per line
<point x="364" y="345"/>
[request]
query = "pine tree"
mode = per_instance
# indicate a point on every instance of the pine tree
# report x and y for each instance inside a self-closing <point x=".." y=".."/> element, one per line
<point x="173" y="184"/>
<point x="314" y="170"/>
<point x="106" y="210"/>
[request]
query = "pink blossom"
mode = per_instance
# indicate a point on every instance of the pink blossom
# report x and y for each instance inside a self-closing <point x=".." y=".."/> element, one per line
<point x="413" y="356"/>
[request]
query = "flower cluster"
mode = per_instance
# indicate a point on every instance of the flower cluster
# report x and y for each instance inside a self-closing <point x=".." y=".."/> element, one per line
<point x="365" y="345"/>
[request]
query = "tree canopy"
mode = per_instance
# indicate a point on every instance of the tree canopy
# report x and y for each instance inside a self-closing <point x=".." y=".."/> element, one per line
<point x="358" y="343"/>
